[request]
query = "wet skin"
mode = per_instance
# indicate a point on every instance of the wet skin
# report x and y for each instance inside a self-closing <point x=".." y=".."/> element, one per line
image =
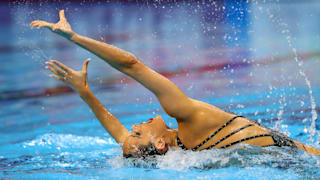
<point x="196" y="120"/>
<point x="144" y="134"/>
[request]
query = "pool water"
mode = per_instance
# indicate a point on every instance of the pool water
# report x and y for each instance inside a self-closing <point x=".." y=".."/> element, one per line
<point x="256" y="59"/>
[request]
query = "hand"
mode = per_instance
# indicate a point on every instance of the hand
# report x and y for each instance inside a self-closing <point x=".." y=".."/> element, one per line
<point x="78" y="80"/>
<point x="62" y="27"/>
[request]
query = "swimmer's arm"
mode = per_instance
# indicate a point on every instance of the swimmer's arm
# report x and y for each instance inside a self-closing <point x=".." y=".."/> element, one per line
<point x="116" y="57"/>
<point x="172" y="99"/>
<point x="114" y="127"/>
<point x="78" y="80"/>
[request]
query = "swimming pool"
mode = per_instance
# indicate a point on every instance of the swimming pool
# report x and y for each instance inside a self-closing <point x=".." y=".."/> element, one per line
<point x="255" y="59"/>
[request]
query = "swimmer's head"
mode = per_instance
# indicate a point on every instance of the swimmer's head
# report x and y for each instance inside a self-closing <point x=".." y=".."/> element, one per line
<point x="146" y="139"/>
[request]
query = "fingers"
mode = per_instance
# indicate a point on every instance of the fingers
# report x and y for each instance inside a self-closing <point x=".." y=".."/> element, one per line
<point x="50" y="67"/>
<point x="40" y="24"/>
<point x="61" y="15"/>
<point x="56" y="70"/>
<point x="62" y="66"/>
<point x="85" y="65"/>
<point x="57" y="77"/>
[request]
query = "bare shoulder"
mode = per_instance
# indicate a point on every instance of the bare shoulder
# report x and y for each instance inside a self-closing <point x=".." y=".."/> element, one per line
<point x="209" y="114"/>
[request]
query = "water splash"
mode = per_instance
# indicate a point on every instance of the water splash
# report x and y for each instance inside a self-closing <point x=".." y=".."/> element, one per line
<point x="243" y="156"/>
<point x="286" y="32"/>
<point x="79" y="154"/>
<point x="52" y="141"/>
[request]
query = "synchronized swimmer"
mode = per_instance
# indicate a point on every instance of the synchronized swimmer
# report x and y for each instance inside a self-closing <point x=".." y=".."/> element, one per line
<point x="200" y="125"/>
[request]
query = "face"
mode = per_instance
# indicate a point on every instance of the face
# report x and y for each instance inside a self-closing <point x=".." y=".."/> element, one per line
<point x="144" y="134"/>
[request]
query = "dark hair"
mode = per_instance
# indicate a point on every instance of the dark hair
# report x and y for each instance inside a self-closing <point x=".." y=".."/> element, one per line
<point x="149" y="150"/>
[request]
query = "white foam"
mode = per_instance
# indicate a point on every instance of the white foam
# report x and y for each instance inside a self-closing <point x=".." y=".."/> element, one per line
<point x="68" y="141"/>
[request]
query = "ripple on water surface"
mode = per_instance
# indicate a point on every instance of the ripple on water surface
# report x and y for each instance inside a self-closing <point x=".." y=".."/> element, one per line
<point x="95" y="156"/>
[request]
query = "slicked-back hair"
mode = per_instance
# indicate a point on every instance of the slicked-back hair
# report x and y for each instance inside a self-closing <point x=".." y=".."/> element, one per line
<point x="146" y="151"/>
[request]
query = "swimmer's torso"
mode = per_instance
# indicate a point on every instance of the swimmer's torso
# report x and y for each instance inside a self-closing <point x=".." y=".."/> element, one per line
<point x="210" y="119"/>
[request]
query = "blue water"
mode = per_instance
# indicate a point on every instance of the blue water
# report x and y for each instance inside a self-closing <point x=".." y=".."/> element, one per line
<point x="238" y="57"/>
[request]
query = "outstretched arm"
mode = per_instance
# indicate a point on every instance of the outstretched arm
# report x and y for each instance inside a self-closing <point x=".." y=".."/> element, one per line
<point x="78" y="80"/>
<point x="172" y="99"/>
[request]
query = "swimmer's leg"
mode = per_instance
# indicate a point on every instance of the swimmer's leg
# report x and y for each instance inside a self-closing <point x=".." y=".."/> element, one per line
<point x="306" y="148"/>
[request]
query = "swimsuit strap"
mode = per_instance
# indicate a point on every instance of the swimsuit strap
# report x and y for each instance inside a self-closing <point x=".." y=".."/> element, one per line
<point x="278" y="138"/>
<point x="227" y="136"/>
<point x="181" y="145"/>
<point x="214" y="133"/>
<point x="245" y="139"/>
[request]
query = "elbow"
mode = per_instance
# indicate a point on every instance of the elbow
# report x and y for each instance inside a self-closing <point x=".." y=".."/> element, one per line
<point x="131" y="65"/>
<point x="128" y="61"/>
<point x="132" y="60"/>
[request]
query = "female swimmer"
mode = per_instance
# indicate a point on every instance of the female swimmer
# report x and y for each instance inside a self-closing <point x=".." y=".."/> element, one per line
<point x="200" y="125"/>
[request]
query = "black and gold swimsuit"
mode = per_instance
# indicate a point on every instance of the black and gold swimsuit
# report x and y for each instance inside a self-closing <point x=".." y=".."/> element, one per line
<point x="278" y="138"/>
